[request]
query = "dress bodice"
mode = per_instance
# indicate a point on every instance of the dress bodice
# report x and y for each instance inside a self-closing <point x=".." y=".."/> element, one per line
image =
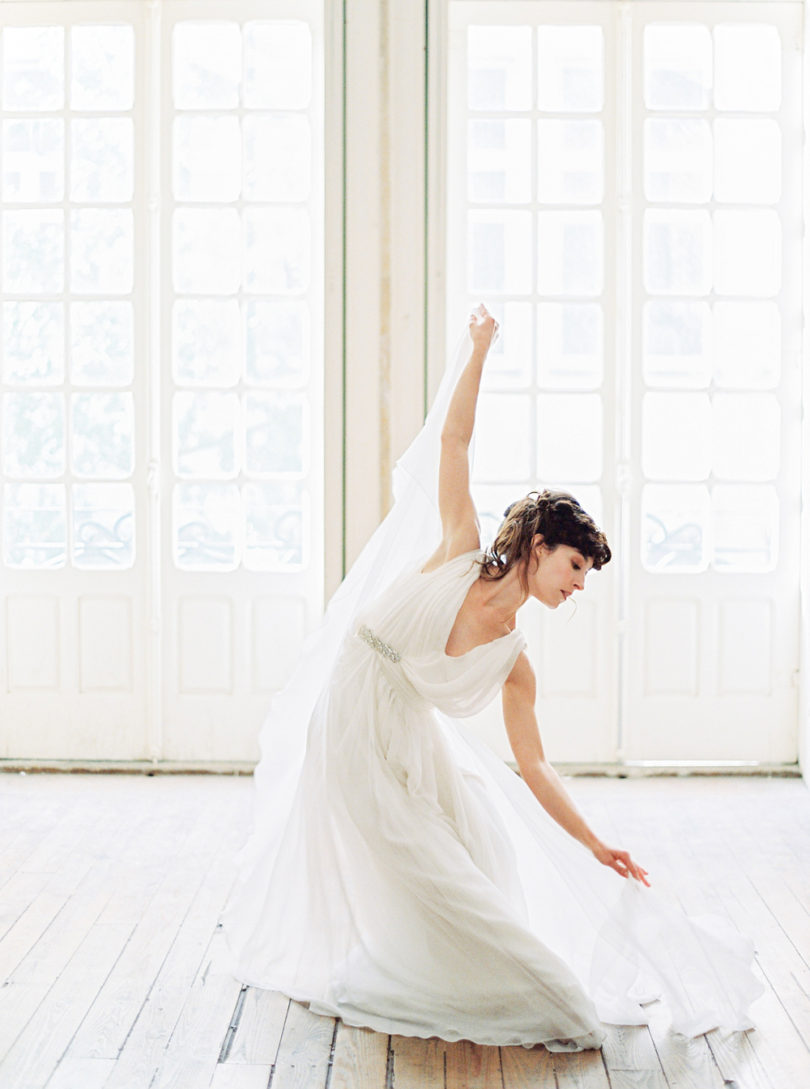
<point x="407" y="629"/>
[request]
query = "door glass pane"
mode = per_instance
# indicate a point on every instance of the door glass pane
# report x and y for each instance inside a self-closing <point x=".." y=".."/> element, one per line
<point x="204" y="430"/>
<point x="33" y="343"/>
<point x="499" y="161"/>
<point x="746" y="527"/>
<point x="570" y="345"/>
<point x="499" y="68"/>
<point x="276" y="516"/>
<point x="747" y="161"/>
<point x="748" y="345"/>
<point x="677" y="160"/>
<point x="748" y="73"/>
<point x="677" y="344"/>
<point x="206" y="518"/>
<point x="502" y="450"/>
<point x="102" y="67"/>
<point x="103" y="523"/>
<point x="499" y="252"/>
<point x="34" y="529"/>
<point x="33" y="435"/>
<point x="748" y="253"/>
<point x="569" y="247"/>
<point x="676" y="436"/>
<point x="33" y="68"/>
<point x="675" y="528"/>
<point x="570" y="68"/>
<point x="570" y="162"/>
<point x="677" y="67"/>
<point x="677" y="253"/>
<point x="33" y="160"/>
<point x="746" y="436"/>
<point x="569" y="437"/>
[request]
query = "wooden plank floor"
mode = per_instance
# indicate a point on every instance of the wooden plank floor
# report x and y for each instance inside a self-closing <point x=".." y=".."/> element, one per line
<point x="112" y="973"/>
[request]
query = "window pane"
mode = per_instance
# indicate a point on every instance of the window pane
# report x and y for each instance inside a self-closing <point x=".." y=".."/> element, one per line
<point x="101" y="159"/>
<point x="277" y="250"/>
<point x="205" y="521"/>
<point x="746" y="436"/>
<point x="206" y="251"/>
<point x="102" y="68"/>
<point x="499" y="67"/>
<point x="502" y="437"/>
<point x="748" y="161"/>
<point x="676" y="436"/>
<point x="278" y="65"/>
<point x="675" y="528"/>
<point x="677" y="253"/>
<point x="277" y="433"/>
<point x="101" y="254"/>
<point x="205" y="430"/>
<point x="569" y="437"/>
<point x="569" y="339"/>
<point x="569" y="253"/>
<point x="34" y="526"/>
<point x="677" y="67"/>
<point x="33" y="68"/>
<point x="206" y="158"/>
<point x="103" y="521"/>
<point x="33" y="435"/>
<point x="103" y="434"/>
<point x="33" y="252"/>
<point x="33" y="343"/>
<point x="33" y="161"/>
<point x="677" y="344"/>
<point x="677" y="160"/>
<point x="499" y="161"/>
<point x="748" y="344"/>
<point x="277" y="344"/>
<point x="206" y="65"/>
<point x="499" y="255"/>
<point x="276" y="516"/>
<point x="746" y="527"/>
<point x="570" y="162"/>
<point x="570" y="68"/>
<point x="277" y="158"/>
<point x="748" y="72"/>
<point x="748" y="253"/>
<point x="206" y="345"/>
<point x="101" y="347"/>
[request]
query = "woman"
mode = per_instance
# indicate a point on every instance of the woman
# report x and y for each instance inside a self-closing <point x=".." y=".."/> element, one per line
<point x="401" y="877"/>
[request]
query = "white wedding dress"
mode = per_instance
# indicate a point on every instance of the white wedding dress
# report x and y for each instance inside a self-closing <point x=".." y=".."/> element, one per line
<point x="401" y="877"/>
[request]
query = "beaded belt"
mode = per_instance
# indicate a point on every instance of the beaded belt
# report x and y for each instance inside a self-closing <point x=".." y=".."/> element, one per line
<point x="374" y="641"/>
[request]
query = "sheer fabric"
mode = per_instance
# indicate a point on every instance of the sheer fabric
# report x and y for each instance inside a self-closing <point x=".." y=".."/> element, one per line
<point x="401" y="877"/>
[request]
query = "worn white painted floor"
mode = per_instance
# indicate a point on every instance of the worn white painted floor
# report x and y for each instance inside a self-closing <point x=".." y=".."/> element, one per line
<point x="111" y="973"/>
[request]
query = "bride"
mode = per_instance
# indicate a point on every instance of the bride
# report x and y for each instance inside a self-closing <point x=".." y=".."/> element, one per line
<point x="399" y="876"/>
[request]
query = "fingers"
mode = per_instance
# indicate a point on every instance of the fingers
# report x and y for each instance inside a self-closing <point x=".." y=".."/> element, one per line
<point x="624" y="865"/>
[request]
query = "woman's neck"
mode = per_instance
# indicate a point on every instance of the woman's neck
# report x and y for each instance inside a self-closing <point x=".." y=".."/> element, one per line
<point x="502" y="597"/>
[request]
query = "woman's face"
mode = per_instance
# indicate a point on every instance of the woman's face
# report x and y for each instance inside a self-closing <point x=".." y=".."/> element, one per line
<point x="553" y="575"/>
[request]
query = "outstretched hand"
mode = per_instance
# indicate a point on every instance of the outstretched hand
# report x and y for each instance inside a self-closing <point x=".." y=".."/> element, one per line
<point x="621" y="862"/>
<point x="483" y="327"/>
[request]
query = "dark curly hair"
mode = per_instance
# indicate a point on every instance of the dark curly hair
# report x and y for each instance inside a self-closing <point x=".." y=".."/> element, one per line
<point x="560" y="519"/>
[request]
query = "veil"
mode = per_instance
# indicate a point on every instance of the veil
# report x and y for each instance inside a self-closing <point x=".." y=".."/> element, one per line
<point x="410" y="528"/>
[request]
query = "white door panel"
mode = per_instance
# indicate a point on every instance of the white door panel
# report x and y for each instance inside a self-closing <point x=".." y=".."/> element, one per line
<point x="626" y="197"/>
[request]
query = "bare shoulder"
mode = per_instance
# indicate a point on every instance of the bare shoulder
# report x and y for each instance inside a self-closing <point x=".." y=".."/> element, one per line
<point x="463" y="541"/>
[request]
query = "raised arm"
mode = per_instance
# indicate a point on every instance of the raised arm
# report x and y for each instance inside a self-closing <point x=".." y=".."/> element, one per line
<point x="460" y="531"/>
<point x="524" y="738"/>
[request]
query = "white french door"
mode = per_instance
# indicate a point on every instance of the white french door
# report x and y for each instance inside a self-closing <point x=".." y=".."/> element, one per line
<point x="161" y="359"/>
<point x="626" y="195"/>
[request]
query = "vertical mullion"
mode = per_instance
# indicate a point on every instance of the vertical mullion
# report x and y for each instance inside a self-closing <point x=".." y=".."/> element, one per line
<point x="152" y="137"/>
<point x="623" y="61"/>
